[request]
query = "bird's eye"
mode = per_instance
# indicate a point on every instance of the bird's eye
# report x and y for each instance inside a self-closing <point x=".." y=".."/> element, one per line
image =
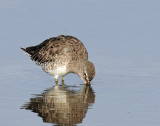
<point x="85" y="74"/>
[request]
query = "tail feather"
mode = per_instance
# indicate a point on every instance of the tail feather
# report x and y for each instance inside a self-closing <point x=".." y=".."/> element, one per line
<point x="24" y="49"/>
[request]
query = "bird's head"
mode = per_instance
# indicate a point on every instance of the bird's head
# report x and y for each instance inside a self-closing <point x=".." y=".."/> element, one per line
<point x="87" y="72"/>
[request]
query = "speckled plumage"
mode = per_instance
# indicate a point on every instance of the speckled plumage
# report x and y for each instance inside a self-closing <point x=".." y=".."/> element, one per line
<point x="61" y="55"/>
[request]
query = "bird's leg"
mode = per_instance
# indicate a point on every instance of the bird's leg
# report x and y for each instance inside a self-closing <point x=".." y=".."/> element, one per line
<point x="56" y="81"/>
<point x="62" y="79"/>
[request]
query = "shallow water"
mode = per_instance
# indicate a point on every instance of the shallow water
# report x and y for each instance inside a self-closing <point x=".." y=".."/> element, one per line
<point x="122" y="39"/>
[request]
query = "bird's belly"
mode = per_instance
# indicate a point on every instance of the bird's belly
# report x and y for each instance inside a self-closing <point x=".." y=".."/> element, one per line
<point x="58" y="71"/>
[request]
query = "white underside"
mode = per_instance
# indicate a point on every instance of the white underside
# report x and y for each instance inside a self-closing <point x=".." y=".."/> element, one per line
<point x="60" y="71"/>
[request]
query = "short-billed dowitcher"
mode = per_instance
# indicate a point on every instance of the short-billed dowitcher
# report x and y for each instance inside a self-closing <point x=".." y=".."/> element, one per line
<point x="62" y="55"/>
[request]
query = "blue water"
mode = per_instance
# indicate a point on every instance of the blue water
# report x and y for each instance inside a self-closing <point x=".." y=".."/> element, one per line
<point x="122" y="39"/>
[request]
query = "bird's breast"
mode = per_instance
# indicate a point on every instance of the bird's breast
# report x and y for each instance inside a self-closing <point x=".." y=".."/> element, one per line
<point x="58" y="71"/>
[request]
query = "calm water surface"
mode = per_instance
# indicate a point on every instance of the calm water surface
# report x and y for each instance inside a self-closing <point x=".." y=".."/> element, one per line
<point x="122" y="38"/>
<point x="62" y="104"/>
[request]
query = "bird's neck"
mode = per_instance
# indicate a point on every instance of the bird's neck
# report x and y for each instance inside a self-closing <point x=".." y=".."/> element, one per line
<point x="76" y="67"/>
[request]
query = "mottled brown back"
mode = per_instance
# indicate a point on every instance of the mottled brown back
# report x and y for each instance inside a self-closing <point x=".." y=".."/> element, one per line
<point x="58" y="47"/>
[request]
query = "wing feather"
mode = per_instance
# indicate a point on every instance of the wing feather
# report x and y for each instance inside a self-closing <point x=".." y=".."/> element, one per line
<point x="57" y="47"/>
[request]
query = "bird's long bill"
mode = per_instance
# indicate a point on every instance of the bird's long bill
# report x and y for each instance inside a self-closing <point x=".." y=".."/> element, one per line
<point x="88" y="82"/>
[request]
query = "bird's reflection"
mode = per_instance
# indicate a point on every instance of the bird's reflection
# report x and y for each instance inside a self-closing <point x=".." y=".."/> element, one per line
<point x="62" y="104"/>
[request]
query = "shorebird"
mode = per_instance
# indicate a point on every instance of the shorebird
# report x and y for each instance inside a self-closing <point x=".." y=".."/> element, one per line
<point x="62" y="55"/>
